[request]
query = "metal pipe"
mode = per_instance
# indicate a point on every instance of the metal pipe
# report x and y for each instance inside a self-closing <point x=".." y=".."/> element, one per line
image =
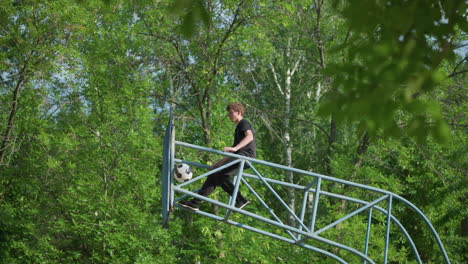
<point x="331" y="194"/>
<point x="366" y="243"/>
<point x="286" y="227"/>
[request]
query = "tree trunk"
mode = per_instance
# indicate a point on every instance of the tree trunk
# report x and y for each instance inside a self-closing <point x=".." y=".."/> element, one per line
<point x="285" y="91"/>
<point x="322" y="64"/>
<point x="362" y="148"/>
<point x="331" y="145"/>
<point x="11" y="118"/>
<point x="288" y="145"/>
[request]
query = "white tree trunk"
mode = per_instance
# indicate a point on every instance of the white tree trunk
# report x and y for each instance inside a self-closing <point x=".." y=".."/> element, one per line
<point x="286" y="138"/>
<point x="285" y="89"/>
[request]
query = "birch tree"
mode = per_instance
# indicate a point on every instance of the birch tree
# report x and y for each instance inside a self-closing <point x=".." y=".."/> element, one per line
<point x="284" y="88"/>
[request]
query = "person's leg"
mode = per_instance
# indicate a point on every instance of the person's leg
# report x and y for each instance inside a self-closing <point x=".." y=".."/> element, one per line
<point x="228" y="187"/>
<point x="220" y="178"/>
<point x="210" y="184"/>
<point x="207" y="188"/>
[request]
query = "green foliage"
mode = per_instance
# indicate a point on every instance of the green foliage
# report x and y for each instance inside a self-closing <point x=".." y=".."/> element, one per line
<point x="80" y="171"/>
<point x="191" y="12"/>
<point x="422" y="174"/>
<point x="388" y="66"/>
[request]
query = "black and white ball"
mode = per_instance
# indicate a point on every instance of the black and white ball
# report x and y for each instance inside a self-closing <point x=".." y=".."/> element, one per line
<point x="183" y="172"/>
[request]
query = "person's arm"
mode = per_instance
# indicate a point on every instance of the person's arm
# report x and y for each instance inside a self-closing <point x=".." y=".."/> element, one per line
<point x="246" y="140"/>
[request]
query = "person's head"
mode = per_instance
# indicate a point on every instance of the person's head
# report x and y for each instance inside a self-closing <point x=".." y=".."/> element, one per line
<point x="235" y="112"/>
<point x="237" y="107"/>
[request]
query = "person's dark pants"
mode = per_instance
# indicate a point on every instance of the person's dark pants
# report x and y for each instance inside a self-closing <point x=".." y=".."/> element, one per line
<point x="222" y="179"/>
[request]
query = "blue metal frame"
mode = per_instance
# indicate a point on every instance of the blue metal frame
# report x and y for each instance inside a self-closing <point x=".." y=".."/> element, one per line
<point x="167" y="170"/>
<point x="298" y="235"/>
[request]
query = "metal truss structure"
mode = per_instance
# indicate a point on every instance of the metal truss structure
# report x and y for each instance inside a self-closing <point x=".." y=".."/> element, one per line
<point x="305" y="216"/>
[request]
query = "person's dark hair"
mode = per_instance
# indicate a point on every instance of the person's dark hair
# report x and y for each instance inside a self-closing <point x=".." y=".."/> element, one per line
<point x="238" y="107"/>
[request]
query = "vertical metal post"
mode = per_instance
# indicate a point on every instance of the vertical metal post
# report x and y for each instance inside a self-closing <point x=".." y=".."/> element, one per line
<point x="387" y="235"/>
<point x="171" y="178"/>
<point x="166" y="181"/>
<point x="314" y="210"/>
<point x="303" y="210"/>
<point x="369" y="223"/>
<point x="232" y="199"/>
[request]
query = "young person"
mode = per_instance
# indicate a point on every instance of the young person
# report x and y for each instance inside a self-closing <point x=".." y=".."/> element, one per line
<point x="244" y="144"/>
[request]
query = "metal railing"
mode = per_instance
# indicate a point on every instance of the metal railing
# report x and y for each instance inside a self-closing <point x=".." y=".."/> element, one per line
<point x="300" y="234"/>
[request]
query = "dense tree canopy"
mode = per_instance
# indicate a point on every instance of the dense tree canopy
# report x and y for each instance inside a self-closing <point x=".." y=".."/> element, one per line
<point x="370" y="91"/>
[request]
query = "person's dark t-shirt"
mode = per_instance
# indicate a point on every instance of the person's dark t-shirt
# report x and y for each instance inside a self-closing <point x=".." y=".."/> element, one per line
<point x="250" y="149"/>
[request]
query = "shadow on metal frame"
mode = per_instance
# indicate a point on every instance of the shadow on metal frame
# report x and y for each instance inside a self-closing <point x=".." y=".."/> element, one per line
<point x="301" y="233"/>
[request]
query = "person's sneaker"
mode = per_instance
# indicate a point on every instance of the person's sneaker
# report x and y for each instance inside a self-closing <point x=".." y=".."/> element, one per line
<point x="190" y="204"/>
<point x="241" y="204"/>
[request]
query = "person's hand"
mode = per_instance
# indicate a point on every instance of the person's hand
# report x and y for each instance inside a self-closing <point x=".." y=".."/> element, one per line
<point x="229" y="149"/>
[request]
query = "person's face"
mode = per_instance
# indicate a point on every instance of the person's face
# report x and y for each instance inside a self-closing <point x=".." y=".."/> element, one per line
<point x="234" y="116"/>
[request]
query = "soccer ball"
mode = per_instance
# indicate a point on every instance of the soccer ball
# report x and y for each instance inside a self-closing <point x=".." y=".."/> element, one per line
<point x="183" y="172"/>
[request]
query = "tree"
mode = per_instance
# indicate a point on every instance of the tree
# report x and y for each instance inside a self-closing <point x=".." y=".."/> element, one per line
<point x="389" y="66"/>
<point x="31" y="39"/>
<point x="85" y="87"/>
<point x="382" y="45"/>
